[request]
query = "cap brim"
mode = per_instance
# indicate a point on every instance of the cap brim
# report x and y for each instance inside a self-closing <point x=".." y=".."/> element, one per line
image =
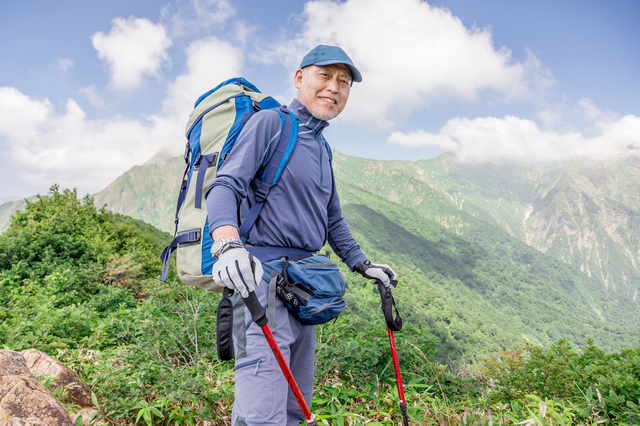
<point x="355" y="74"/>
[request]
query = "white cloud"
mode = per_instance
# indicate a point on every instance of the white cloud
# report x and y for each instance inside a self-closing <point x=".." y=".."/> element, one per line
<point x="133" y="47"/>
<point x="490" y="138"/>
<point x="91" y="93"/>
<point x="209" y="62"/>
<point x="69" y="149"/>
<point x="410" y="53"/>
<point x="421" y="138"/>
<point x="64" y="64"/>
<point x="568" y="116"/>
<point x="243" y="32"/>
<point x="20" y="115"/>
<point x="188" y="17"/>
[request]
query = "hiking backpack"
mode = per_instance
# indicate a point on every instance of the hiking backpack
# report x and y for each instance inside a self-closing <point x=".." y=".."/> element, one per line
<point x="212" y="130"/>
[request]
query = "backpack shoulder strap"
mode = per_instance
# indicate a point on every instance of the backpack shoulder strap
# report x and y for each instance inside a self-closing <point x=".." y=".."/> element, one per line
<point x="274" y="169"/>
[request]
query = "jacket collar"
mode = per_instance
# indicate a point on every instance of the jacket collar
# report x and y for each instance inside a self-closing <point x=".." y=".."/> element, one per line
<point x="305" y="119"/>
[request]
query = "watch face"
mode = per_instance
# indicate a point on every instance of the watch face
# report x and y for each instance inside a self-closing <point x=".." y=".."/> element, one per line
<point x="217" y="245"/>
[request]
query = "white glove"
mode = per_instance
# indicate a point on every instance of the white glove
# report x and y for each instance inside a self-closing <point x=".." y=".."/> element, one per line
<point x="238" y="270"/>
<point x="377" y="271"/>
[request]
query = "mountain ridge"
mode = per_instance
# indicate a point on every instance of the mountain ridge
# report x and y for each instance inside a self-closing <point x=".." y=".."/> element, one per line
<point x="495" y="210"/>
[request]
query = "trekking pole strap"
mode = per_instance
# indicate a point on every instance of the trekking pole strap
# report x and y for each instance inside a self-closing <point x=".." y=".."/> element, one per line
<point x="388" y="305"/>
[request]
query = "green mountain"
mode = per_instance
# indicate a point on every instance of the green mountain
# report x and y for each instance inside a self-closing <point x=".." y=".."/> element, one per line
<point x="489" y="253"/>
<point x="474" y="278"/>
<point x="583" y="212"/>
<point x="8" y="209"/>
<point x="148" y="192"/>
<point x="472" y="297"/>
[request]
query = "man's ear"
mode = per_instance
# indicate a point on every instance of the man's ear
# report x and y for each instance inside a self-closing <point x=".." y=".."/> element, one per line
<point x="297" y="78"/>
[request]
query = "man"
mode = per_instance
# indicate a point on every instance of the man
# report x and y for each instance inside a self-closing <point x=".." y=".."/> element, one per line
<point x="300" y="214"/>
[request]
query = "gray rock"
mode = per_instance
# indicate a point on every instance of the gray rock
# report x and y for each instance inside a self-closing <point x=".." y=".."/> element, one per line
<point x="23" y="399"/>
<point x="41" y="364"/>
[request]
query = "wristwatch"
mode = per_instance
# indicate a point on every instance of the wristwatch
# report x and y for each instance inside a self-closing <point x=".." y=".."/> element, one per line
<point x="223" y="243"/>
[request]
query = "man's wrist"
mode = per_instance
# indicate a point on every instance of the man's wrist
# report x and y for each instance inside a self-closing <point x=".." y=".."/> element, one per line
<point x="224" y="244"/>
<point x="360" y="267"/>
<point x="224" y="231"/>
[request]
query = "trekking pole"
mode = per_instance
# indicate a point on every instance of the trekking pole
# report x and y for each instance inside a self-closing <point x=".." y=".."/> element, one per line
<point x="393" y="325"/>
<point x="259" y="316"/>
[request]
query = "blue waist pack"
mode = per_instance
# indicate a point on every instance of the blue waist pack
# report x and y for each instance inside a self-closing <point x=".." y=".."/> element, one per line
<point x="311" y="288"/>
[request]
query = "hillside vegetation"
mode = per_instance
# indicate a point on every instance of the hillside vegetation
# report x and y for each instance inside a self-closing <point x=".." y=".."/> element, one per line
<point x="560" y="299"/>
<point x="585" y="213"/>
<point x="582" y="212"/>
<point x="488" y="204"/>
<point x="78" y="283"/>
<point x="477" y="301"/>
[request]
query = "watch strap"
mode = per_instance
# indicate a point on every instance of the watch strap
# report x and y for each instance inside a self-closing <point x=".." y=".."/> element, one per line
<point x="225" y="244"/>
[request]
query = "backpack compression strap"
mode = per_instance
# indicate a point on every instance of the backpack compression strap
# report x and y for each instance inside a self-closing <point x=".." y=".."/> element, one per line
<point x="277" y="163"/>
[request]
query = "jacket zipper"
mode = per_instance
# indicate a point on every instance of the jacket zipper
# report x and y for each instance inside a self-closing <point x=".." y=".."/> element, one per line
<point x="321" y="155"/>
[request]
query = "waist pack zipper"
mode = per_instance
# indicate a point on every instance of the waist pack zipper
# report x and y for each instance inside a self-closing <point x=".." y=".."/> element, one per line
<point x="319" y="265"/>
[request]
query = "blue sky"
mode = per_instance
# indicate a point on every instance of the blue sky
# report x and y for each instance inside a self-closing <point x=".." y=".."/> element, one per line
<point x="89" y="89"/>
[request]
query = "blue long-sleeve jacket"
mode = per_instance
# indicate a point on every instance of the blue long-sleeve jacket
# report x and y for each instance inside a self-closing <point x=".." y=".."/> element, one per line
<point x="302" y="210"/>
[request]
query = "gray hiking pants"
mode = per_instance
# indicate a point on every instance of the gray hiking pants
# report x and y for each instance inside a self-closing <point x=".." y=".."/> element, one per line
<point x="262" y="395"/>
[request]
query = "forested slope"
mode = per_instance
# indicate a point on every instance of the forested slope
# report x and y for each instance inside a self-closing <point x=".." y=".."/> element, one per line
<point x="473" y="299"/>
<point x="78" y="282"/>
<point x="489" y="203"/>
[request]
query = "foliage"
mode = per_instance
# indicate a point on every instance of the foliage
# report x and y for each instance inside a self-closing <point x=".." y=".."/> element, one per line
<point x="474" y="301"/>
<point x="590" y="385"/>
<point x="64" y="263"/>
<point x="75" y="282"/>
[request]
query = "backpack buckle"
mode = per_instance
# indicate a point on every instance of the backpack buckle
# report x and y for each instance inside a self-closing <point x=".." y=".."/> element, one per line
<point x="193" y="237"/>
<point x="187" y="151"/>
<point x="261" y="194"/>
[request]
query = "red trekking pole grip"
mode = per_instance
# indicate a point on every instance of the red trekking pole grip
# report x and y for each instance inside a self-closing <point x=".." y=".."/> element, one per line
<point x="259" y="316"/>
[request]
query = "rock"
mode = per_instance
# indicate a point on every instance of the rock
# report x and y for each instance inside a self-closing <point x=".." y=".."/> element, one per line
<point x="23" y="399"/>
<point x="31" y="421"/>
<point x="41" y="364"/>
<point x="13" y="364"/>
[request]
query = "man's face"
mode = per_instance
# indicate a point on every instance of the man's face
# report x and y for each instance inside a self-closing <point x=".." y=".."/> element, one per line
<point x="324" y="90"/>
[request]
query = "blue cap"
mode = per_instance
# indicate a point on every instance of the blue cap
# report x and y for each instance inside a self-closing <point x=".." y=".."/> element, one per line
<point x="328" y="55"/>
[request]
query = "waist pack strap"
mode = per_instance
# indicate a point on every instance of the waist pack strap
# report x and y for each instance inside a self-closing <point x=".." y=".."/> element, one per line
<point x="271" y="308"/>
<point x="265" y="254"/>
<point x="299" y="290"/>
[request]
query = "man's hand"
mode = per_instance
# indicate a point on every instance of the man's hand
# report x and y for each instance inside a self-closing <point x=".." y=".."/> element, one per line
<point x="378" y="272"/>
<point x="238" y="270"/>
